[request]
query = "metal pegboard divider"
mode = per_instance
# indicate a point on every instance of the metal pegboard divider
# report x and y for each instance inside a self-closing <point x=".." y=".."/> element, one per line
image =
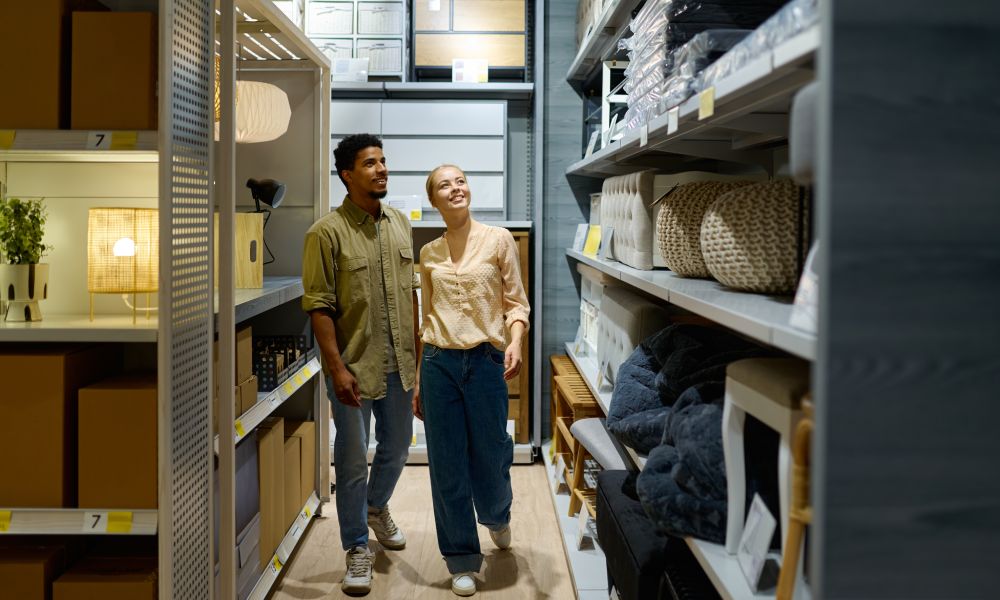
<point x="185" y="299"/>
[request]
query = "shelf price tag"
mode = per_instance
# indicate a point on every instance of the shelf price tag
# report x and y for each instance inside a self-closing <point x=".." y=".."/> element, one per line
<point x="673" y="120"/>
<point x="7" y="137"/>
<point x="307" y="513"/>
<point x="276" y="565"/>
<point x="706" y="103"/>
<point x="308" y="372"/>
<point x="240" y="432"/>
<point x="99" y="140"/>
<point x="112" y="140"/>
<point x="119" y="522"/>
<point x="288" y="388"/>
<point x="5" y="519"/>
<point x="298" y="379"/>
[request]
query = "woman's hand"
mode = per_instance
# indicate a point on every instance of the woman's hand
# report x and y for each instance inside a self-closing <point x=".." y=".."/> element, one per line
<point x="512" y="360"/>
<point x="418" y="407"/>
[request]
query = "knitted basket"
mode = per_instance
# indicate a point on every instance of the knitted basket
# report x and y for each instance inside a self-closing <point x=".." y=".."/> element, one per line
<point x="678" y="226"/>
<point x="755" y="238"/>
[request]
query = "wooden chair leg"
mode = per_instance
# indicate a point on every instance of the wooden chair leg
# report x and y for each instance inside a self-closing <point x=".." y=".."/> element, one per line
<point x="577" y="484"/>
<point x="801" y="510"/>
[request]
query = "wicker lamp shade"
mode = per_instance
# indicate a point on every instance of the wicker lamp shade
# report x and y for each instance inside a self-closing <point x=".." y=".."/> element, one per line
<point x="755" y="238"/>
<point x="262" y="110"/>
<point x="678" y="225"/>
<point x="123" y="250"/>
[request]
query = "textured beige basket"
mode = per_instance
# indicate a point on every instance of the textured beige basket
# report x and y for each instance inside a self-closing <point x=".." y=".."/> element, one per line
<point x="678" y="225"/>
<point x="755" y="238"/>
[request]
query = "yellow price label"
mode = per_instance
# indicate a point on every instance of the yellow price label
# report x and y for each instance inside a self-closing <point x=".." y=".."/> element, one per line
<point x="298" y="379"/>
<point x="7" y="137"/>
<point x="239" y="428"/>
<point x="308" y="372"/>
<point x="706" y="103"/>
<point x="124" y="140"/>
<point x="119" y="522"/>
<point x="277" y="563"/>
<point x="416" y="215"/>
<point x="5" y="518"/>
<point x="288" y="387"/>
<point x="307" y="512"/>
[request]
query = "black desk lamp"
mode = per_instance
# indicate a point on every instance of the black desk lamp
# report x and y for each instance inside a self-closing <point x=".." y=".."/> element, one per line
<point x="271" y="193"/>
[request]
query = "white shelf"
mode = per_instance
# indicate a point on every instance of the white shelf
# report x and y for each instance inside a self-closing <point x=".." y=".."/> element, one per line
<point x="725" y="574"/>
<point x="285" y="549"/>
<point x="764" y="86"/>
<point x="587" y="567"/>
<point x="73" y="145"/>
<point x="254" y="301"/>
<point x="617" y="15"/>
<point x="763" y="318"/>
<point x="267" y="402"/>
<point x="505" y="224"/>
<point x="76" y="521"/>
<point x="79" y="328"/>
<point x="587" y="366"/>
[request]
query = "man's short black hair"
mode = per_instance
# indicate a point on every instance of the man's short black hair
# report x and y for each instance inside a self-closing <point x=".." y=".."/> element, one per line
<point x="347" y="151"/>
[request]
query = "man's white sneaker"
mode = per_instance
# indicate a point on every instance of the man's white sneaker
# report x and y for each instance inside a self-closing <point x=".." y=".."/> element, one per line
<point x="385" y="529"/>
<point x="360" y="565"/>
<point x="463" y="584"/>
<point x="501" y="538"/>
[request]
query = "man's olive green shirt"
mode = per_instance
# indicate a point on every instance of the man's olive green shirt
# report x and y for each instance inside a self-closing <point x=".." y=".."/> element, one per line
<point x="341" y="274"/>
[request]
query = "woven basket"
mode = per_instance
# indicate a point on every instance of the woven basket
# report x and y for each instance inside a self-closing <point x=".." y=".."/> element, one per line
<point x="678" y="226"/>
<point x="755" y="238"/>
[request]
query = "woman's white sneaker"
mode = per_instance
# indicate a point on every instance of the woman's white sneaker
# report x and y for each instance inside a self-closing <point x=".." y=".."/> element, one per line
<point x="385" y="529"/>
<point x="501" y="538"/>
<point x="360" y="565"/>
<point x="463" y="584"/>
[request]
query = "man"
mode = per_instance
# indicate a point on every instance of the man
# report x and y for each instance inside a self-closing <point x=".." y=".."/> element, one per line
<point x="360" y="293"/>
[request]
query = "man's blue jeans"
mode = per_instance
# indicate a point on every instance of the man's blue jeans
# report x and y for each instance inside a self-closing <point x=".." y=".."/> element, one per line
<point x="464" y="398"/>
<point x="356" y="490"/>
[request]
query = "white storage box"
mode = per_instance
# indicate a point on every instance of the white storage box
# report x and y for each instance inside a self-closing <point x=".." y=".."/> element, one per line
<point x="331" y="18"/>
<point x="385" y="56"/>
<point x="383" y="18"/>
<point x="335" y="48"/>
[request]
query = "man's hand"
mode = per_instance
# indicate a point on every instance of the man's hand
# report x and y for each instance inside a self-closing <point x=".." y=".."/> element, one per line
<point x="418" y="407"/>
<point x="345" y="386"/>
<point x="512" y="360"/>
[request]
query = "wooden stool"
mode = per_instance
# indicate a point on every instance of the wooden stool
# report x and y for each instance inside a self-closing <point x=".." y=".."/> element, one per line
<point x="801" y="509"/>
<point x="579" y="404"/>
<point x="561" y="365"/>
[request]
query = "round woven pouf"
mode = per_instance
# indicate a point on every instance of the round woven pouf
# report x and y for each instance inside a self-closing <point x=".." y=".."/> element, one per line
<point x="678" y="226"/>
<point x="755" y="238"/>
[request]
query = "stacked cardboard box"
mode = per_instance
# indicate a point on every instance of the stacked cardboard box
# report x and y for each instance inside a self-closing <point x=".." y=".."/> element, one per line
<point x="27" y="573"/>
<point x="246" y="383"/>
<point x="305" y="431"/>
<point x="271" y="453"/>
<point x="108" y="579"/>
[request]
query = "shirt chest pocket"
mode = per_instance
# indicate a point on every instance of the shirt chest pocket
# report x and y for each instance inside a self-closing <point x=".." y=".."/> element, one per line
<point x="353" y="282"/>
<point x="405" y="271"/>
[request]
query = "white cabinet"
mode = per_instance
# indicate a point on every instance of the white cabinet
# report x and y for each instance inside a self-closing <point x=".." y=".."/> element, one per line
<point x="422" y="155"/>
<point x="445" y="118"/>
<point x="487" y="191"/>
<point x="347" y="117"/>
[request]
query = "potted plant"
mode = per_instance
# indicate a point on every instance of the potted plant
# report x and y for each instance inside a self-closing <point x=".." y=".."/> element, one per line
<point x="23" y="280"/>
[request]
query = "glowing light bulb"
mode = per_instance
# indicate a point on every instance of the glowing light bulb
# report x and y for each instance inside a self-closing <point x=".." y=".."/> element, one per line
<point x="124" y="247"/>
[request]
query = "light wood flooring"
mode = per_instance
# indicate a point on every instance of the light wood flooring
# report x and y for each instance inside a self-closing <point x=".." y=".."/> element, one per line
<point x="535" y="567"/>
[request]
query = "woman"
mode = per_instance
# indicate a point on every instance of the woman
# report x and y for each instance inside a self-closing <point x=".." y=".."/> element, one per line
<point x="475" y="313"/>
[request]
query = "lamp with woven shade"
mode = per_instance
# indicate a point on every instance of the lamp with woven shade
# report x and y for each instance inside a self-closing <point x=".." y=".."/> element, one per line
<point x="262" y="110"/>
<point x="122" y="253"/>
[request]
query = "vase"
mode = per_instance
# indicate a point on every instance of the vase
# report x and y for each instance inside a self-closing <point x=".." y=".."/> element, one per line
<point x="22" y="286"/>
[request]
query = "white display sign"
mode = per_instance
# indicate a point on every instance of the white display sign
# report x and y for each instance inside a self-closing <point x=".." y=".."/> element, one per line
<point x="581" y="237"/>
<point x="756" y="541"/>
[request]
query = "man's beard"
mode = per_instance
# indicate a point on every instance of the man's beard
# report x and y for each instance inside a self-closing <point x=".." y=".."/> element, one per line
<point x="378" y="195"/>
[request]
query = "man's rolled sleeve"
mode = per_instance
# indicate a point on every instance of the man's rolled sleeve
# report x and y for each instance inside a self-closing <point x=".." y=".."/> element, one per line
<point x="319" y="277"/>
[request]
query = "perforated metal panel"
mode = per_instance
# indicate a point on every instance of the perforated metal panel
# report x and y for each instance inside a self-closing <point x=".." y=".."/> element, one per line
<point x="186" y="298"/>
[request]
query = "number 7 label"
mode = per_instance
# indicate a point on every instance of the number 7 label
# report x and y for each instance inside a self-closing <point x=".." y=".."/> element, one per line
<point x="99" y="140"/>
<point x="95" y="522"/>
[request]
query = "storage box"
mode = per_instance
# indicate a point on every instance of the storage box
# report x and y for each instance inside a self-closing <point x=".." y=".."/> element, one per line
<point x="28" y="573"/>
<point x="35" y="61"/>
<point x="117" y="444"/>
<point x="500" y="50"/>
<point x="244" y="354"/>
<point x="247" y="394"/>
<point x="306" y="432"/>
<point x="114" y="71"/>
<point x="271" y="450"/>
<point x="38" y="431"/>
<point x="247" y="486"/>
<point x="248" y="255"/>
<point x="293" y="480"/>
<point x="108" y="579"/>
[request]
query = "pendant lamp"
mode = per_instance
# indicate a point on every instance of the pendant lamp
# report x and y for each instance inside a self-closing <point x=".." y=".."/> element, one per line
<point x="262" y="110"/>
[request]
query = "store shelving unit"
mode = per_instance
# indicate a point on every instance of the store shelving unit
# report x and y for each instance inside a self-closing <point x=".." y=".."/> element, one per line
<point x="601" y="40"/>
<point x="285" y="549"/>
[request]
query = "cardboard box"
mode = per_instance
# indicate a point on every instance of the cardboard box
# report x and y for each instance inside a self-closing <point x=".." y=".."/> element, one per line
<point x="108" y="579"/>
<point x="248" y="394"/>
<point x="306" y="432"/>
<point x="38" y="431"/>
<point x="117" y="443"/>
<point x="28" y="573"/>
<point x="293" y="480"/>
<point x="114" y="71"/>
<point x="247" y="486"/>
<point x="271" y="454"/>
<point x="248" y="255"/>
<point x="244" y="354"/>
<point x="35" y="61"/>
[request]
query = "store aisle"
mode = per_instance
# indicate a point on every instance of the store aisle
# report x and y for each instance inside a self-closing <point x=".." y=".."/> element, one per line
<point x="534" y="569"/>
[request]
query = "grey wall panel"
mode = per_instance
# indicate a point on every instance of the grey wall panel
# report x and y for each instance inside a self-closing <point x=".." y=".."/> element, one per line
<point x="518" y="155"/>
<point x="563" y="121"/>
<point x="443" y="118"/>
<point x="358" y="116"/>
<point x="487" y="189"/>
<point x="423" y="155"/>
<point x="906" y="490"/>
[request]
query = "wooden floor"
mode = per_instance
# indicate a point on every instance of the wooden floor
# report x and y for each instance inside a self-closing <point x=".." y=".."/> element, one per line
<point x="534" y="568"/>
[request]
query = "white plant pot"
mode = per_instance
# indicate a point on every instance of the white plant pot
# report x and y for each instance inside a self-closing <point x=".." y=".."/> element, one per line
<point x="21" y="287"/>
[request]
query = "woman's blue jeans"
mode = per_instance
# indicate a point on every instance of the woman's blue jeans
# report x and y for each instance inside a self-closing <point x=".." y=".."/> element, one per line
<point x="464" y="399"/>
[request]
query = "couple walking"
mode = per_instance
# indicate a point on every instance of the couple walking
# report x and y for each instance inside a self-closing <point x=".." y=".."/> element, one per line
<point x="360" y="293"/>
